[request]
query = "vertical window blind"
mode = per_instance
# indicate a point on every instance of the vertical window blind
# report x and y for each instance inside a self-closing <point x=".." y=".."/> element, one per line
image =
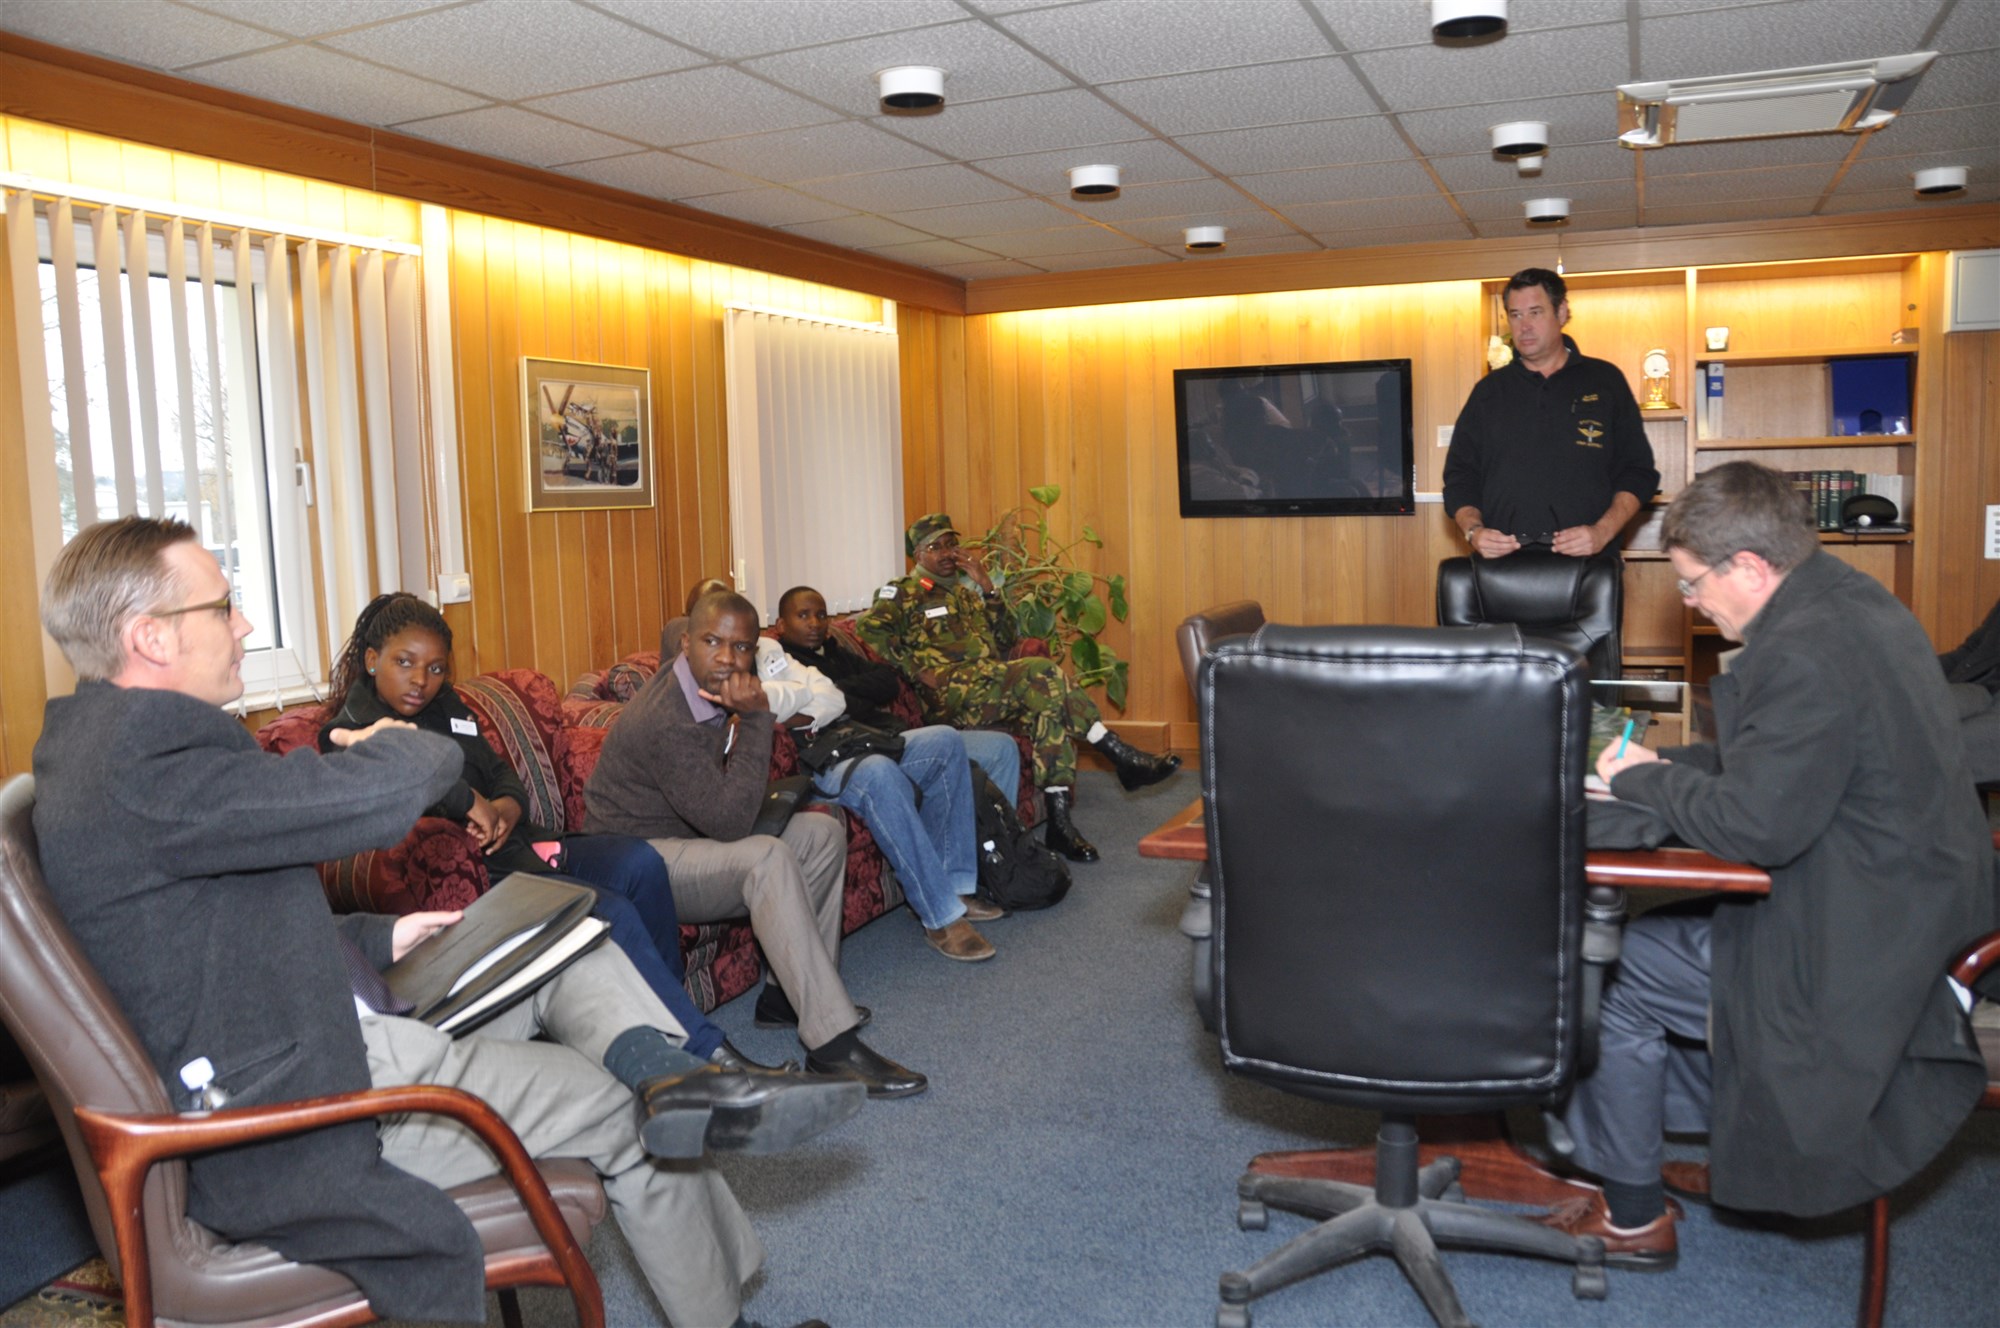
<point x="266" y="384"/>
<point x="815" y="456"/>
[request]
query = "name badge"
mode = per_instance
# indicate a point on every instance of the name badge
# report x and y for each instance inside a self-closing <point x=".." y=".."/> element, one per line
<point x="886" y="592"/>
<point x="775" y="663"/>
<point x="469" y="727"/>
<point x="938" y="612"/>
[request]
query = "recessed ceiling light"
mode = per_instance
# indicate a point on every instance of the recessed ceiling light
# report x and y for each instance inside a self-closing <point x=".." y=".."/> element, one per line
<point x="912" y="90"/>
<point x="1940" y="180"/>
<point x="1093" y="183"/>
<point x="1205" y="239"/>
<point x="1466" y="21"/>
<point x="1521" y="138"/>
<point x="1547" y="211"/>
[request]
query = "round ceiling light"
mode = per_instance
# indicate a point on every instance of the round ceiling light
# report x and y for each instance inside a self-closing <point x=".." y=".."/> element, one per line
<point x="1093" y="183"/>
<point x="1465" y="21"/>
<point x="1205" y="239"/>
<point x="1521" y="138"/>
<point x="1547" y="211"/>
<point x="912" y="90"/>
<point x="1940" y="180"/>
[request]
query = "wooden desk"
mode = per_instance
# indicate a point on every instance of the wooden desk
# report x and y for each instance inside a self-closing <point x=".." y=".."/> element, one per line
<point x="1491" y="1165"/>
<point x="1185" y="838"/>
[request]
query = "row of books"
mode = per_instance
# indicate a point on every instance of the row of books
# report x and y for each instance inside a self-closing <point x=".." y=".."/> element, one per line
<point x="1827" y="491"/>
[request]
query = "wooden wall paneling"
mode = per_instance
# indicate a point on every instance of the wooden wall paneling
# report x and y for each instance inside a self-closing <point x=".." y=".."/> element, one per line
<point x="712" y="512"/>
<point x="920" y="404"/>
<point x="1962" y="585"/>
<point x="479" y="626"/>
<point x="1003" y="363"/>
<point x="1104" y="441"/>
<point x="600" y="338"/>
<point x="569" y="336"/>
<point x="534" y="639"/>
<point x="1855" y="309"/>
<point x="23" y="684"/>
<point x="627" y="340"/>
<point x="955" y="414"/>
<point x="515" y="328"/>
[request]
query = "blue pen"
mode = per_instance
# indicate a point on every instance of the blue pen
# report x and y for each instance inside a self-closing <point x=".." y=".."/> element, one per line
<point x="1623" y="738"/>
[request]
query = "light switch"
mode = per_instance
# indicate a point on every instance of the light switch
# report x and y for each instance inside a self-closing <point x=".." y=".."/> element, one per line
<point x="1444" y="435"/>
<point x="455" y="587"/>
<point x="1993" y="531"/>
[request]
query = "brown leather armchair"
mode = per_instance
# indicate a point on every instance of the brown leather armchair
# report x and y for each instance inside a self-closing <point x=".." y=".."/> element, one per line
<point x="125" y="1141"/>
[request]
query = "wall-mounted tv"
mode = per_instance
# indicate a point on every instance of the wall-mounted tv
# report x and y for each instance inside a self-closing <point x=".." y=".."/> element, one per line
<point x="1296" y="439"/>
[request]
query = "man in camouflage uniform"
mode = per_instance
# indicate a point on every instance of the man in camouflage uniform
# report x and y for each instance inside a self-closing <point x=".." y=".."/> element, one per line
<point x="947" y="628"/>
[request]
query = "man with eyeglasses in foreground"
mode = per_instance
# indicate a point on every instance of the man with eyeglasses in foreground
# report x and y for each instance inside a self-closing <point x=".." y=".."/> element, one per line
<point x="1549" y="450"/>
<point x="180" y="854"/>
<point x="1811" y="1033"/>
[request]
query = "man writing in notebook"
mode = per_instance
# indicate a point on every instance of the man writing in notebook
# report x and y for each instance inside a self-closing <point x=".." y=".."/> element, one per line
<point x="179" y="853"/>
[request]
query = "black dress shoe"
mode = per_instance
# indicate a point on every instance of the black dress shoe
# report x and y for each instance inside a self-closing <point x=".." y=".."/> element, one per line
<point x="740" y="1111"/>
<point x="730" y="1057"/>
<point x="774" y="1010"/>
<point x="1061" y="833"/>
<point x="1136" y="769"/>
<point x="883" y="1077"/>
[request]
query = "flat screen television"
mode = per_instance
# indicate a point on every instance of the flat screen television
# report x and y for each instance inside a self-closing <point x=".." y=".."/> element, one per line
<point x="1296" y="440"/>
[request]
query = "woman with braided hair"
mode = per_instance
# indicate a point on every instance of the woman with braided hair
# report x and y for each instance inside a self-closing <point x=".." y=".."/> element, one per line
<point x="397" y="664"/>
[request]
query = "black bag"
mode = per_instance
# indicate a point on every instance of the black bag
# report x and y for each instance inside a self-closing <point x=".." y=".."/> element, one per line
<point x="847" y="740"/>
<point x="1015" y="870"/>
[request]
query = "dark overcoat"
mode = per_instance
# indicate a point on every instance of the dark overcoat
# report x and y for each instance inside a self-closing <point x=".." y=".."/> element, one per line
<point x="1842" y="1060"/>
<point x="175" y="848"/>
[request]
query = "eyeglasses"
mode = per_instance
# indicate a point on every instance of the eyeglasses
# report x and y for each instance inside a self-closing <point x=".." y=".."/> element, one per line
<point x="1687" y="587"/>
<point x="226" y="606"/>
<point x="1545" y="540"/>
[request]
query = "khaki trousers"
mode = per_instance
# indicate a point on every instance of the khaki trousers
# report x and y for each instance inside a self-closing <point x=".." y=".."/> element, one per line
<point x="790" y="889"/>
<point x="687" y="1232"/>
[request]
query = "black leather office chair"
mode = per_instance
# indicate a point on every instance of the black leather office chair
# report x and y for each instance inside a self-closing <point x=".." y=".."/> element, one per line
<point x="1576" y="602"/>
<point x="1396" y="828"/>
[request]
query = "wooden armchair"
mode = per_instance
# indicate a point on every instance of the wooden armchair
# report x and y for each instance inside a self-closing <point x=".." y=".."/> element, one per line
<point x="125" y="1141"/>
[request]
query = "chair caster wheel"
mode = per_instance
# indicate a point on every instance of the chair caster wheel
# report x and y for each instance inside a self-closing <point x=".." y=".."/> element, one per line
<point x="1251" y="1215"/>
<point x="1589" y="1283"/>
<point x="1232" y="1316"/>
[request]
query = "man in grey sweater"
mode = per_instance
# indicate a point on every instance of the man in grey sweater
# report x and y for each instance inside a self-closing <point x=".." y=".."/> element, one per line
<point x="179" y="853"/>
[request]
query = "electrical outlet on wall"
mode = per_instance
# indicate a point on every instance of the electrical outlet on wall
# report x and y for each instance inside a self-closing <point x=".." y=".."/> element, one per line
<point x="1444" y="435"/>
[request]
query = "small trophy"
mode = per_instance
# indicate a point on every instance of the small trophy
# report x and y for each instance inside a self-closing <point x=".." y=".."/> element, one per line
<point x="1656" y="369"/>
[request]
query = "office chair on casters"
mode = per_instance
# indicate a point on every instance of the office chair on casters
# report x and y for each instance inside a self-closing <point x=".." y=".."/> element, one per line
<point x="1575" y="602"/>
<point x="1399" y="918"/>
<point x="127" y="1142"/>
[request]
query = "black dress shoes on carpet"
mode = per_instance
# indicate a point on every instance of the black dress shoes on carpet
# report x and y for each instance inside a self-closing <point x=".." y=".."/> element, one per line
<point x="1136" y="769"/>
<point x="1061" y="833"/>
<point x="851" y="1058"/>
<point x="730" y="1057"/>
<point x="774" y="1010"/>
<point x="714" y="1109"/>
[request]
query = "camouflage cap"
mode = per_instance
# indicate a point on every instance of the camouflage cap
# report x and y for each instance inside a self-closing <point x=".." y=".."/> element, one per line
<point x="926" y="529"/>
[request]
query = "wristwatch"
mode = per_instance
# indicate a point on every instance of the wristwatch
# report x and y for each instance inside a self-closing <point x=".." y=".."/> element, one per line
<point x="1470" y="533"/>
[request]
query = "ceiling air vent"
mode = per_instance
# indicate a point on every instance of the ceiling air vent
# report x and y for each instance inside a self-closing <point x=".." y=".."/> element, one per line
<point x="1817" y="99"/>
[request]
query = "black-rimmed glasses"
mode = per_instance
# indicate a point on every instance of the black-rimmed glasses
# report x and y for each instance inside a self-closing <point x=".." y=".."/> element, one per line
<point x="1687" y="587"/>
<point x="226" y="606"/>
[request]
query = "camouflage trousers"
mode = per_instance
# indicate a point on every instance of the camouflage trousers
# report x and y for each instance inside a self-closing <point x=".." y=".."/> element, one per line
<point x="1033" y="695"/>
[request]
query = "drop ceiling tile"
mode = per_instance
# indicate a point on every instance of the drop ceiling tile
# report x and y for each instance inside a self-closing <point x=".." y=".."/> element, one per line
<point x="1972" y="79"/>
<point x="1019" y="124"/>
<point x="1336" y="184"/>
<point x="1751" y="209"/>
<point x="1297" y="147"/>
<point x="1891" y="200"/>
<point x="925" y="186"/>
<point x="513" y="134"/>
<point x="1142" y="161"/>
<point x="1013" y="214"/>
<point x="798" y="154"/>
<point x="768" y="207"/>
<point x="1552" y="63"/>
<point x="1747" y="154"/>
<point x="978" y="63"/>
<point x="1118" y="39"/>
<point x="1060" y="240"/>
<point x="1371" y="212"/>
<point x="1243" y="225"/>
<point x="994" y="267"/>
<point x="857" y="232"/>
<point x="930" y="253"/>
<point x="1367" y="236"/>
<point x="1123" y="258"/>
<point x="1572" y="121"/>
<point x="1288" y="243"/>
<point x="513" y="49"/>
<point x="693" y="106"/>
<point x="662" y="175"/>
<point x="1490" y="203"/>
<point x="152" y="33"/>
<point x="311" y="18"/>
<point x="1733" y="186"/>
<point x="1895" y="172"/>
<point x="735" y="30"/>
<point x="1779" y="36"/>
<point x="1933" y="131"/>
<point x="1564" y="166"/>
<point x="1971" y="27"/>
<point x="1162" y="200"/>
<point x="1619" y="220"/>
<point x="334" y="85"/>
<point x="1368" y="27"/>
<point x="1285" y="93"/>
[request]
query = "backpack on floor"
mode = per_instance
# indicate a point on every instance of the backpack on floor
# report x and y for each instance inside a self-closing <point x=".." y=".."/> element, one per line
<point x="1016" y="871"/>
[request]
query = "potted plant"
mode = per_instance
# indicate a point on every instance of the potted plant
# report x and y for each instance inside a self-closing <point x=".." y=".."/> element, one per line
<point x="1051" y="597"/>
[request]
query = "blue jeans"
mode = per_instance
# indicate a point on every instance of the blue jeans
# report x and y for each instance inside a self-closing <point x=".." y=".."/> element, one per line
<point x="932" y="850"/>
<point x="998" y="755"/>
<point x="633" y="897"/>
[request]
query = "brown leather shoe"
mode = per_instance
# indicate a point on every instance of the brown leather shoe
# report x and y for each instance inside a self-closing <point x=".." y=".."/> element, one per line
<point x="959" y="941"/>
<point x="1686" y="1178"/>
<point x="978" y="908"/>
<point x="1653" y="1248"/>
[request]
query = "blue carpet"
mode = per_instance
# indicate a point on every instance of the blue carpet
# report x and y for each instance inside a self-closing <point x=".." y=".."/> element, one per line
<point x="43" y="1230"/>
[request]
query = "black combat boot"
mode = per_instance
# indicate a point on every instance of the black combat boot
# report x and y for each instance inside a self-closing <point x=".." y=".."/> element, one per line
<point x="1136" y="769"/>
<point x="1062" y="834"/>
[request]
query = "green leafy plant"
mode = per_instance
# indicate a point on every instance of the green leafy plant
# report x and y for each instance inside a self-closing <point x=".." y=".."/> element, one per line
<point x="1054" y="599"/>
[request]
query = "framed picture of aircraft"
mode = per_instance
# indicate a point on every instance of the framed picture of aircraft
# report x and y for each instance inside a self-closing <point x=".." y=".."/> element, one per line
<point x="589" y="434"/>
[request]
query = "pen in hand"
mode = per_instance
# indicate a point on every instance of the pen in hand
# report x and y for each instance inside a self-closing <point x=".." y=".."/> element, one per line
<point x="1623" y="738"/>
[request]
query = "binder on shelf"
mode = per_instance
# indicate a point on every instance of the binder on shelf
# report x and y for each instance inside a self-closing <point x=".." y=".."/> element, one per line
<point x="1711" y="400"/>
<point x="512" y="939"/>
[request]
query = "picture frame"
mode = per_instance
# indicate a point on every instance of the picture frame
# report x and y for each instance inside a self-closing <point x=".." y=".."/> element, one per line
<point x="587" y="433"/>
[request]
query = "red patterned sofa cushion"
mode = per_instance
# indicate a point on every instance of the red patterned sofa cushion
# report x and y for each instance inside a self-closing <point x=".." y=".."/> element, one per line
<point x="521" y="716"/>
